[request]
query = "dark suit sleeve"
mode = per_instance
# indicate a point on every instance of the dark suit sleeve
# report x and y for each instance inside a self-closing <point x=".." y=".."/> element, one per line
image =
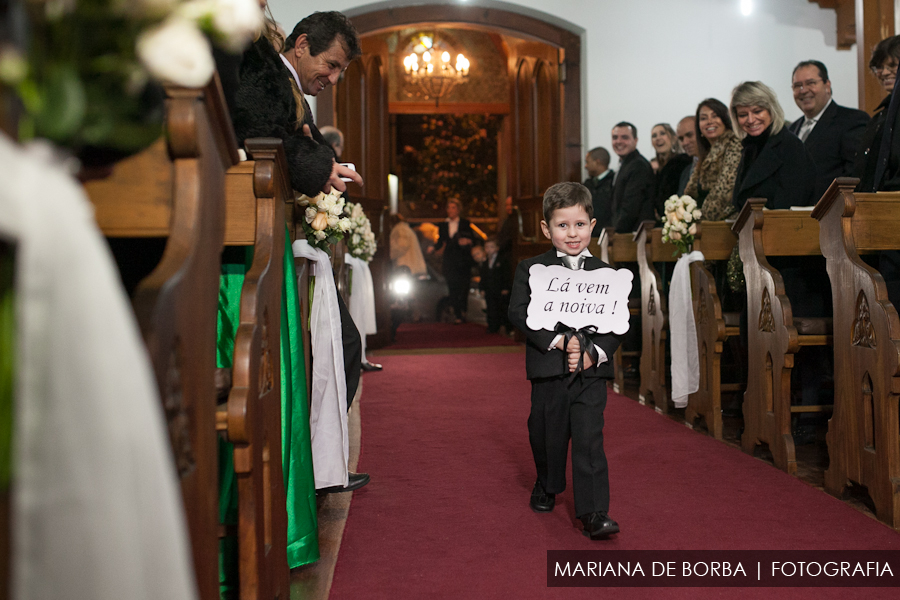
<point x="608" y="342"/>
<point x="520" y="298"/>
<point x="851" y="138"/>
<point x="443" y="234"/>
<point x="637" y="193"/>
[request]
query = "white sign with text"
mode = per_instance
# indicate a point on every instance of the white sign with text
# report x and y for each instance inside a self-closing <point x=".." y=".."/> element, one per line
<point x="579" y="298"/>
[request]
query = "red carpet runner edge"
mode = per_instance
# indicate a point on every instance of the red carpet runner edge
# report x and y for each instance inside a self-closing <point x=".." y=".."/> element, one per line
<point x="447" y="515"/>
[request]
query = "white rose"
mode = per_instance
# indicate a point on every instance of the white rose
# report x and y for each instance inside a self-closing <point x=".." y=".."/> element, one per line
<point x="332" y="220"/>
<point x="355" y="239"/>
<point x="337" y="210"/>
<point x="697" y="213"/>
<point x="344" y="224"/>
<point x="236" y="22"/>
<point x="320" y="235"/>
<point x="13" y="66"/>
<point x="688" y="216"/>
<point x="176" y="52"/>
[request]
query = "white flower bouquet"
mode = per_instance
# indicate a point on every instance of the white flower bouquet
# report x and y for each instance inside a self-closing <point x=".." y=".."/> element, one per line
<point x="324" y="222"/>
<point x="83" y="79"/>
<point x="361" y="238"/>
<point x="680" y="222"/>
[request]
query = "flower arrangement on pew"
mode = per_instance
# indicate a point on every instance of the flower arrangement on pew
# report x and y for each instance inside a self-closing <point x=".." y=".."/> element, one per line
<point x="324" y="222"/>
<point x="362" y="240"/>
<point x="85" y="79"/>
<point x="680" y="222"/>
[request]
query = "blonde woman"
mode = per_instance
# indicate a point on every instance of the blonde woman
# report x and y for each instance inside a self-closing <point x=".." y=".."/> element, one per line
<point x="672" y="162"/>
<point x="719" y="152"/>
<point x="774" y="163"/>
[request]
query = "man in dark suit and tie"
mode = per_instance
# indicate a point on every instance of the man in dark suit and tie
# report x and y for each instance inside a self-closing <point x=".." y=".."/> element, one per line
<point x="633" y="183"/>
<point x="831" y="133"/>
<point x="600" y="183"/>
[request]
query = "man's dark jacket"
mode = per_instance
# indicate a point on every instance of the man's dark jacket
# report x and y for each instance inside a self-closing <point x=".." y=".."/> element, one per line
<point x="264" y="106"/>
<point x="540" y="362"/>
<point x="833" y="143"/>
<point x="633" y="193"/>
<point x="601" y="193"/>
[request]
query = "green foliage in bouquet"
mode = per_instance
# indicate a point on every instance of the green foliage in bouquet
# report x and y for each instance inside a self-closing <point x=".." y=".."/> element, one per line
<point x="82" y="84"/>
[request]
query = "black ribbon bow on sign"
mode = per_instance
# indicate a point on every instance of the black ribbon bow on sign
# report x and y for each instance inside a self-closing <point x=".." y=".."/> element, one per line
<point x="584" y="340"/>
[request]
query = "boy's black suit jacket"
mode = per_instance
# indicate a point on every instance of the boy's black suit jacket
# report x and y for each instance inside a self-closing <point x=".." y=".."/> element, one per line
<point x="540" y="362"/>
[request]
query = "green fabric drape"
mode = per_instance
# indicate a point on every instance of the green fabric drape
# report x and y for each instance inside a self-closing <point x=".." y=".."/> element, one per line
<point x="7" y="352"/>
<point x="296" y="451"/>
<point x="296" y="447"/>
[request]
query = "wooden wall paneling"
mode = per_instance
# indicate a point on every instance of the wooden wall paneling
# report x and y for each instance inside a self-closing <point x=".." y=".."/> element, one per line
<point x="548" y="166"/>
<point x="523" y="129"/>
<point x="377" y="143"/>
<point x="874" y="22"/>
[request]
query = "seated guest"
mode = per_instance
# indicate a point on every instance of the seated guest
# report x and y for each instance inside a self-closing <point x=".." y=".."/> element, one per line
<point x="672" y="162"/>
<point x="633" y="181"/>
<point x="600" y="183"/>
<point x="719" y="152"/>
<point x="831" y="133"/>
<point x="883" y="65"/>
<point x="508" y="230"/>
<point x="774" y="163"/>
<point x="687" y="137"/>
<point x="270" y="100"/>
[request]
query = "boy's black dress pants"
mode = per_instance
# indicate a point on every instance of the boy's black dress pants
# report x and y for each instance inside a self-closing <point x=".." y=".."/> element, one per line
<point x="559" y="412"/>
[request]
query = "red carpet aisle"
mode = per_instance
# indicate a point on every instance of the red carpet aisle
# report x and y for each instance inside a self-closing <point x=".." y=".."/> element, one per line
<point x="447" y="516"/>
<point x="414" y="336"/>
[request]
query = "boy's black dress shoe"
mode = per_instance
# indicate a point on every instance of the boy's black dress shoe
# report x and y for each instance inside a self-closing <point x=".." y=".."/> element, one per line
<point x="354" y="482"/>
<point x="368" y="366"/>
<point x="598" y="526"/>
<point x="541" y="501"/>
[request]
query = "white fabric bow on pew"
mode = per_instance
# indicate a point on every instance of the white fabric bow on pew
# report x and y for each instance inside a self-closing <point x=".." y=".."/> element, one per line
<point x="328" y="409"/>
<point x="682" y="333"/>
<point x="98" y="510"/>
<point x="362" y="299"/>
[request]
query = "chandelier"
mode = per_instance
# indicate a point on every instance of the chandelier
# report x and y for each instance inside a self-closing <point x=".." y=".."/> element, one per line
<point x="430" y="70"/>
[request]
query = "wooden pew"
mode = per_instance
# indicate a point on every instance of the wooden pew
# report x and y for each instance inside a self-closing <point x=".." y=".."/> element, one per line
<point x="613" y="249"/>
<point x="863" y="431"/>
<point x="7" y="405"/>
<point x="716" y="241"/>
<point x="654" y="314"/>
<point x="258" y="193"/>
<point x="177" y="190"/>
<point x="773" y="334"/>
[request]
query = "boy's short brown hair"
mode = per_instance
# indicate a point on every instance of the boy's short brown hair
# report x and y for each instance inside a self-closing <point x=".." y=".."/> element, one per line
<point x="566" y="194"/>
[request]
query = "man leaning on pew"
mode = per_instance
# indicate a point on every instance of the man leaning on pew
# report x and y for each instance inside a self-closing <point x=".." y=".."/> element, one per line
<point x="269" y="102"/>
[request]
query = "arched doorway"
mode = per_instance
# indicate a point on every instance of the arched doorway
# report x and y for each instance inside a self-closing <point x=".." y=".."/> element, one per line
<point x="540" y="141"/>
<point x="545" y="97"/>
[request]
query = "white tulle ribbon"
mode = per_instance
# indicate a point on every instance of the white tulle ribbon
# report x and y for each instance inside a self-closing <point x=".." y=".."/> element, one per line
<point x="683" y="333"/>
<point x="328" y="409"/>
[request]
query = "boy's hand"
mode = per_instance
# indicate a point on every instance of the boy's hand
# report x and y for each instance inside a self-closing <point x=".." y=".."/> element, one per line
<point x="574" y="346"/>
<point x="573" y="361"/>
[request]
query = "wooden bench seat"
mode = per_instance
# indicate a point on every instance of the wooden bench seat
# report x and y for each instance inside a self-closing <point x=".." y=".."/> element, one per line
<point x="654" y="314"/>
<point x="613" y="249"/>
<point x="863" y="433"/>
<point x="176" y="190"/>
<point x="773" y="336"/>
<point x="716" y="241"/>
<point x="258" y="192"/>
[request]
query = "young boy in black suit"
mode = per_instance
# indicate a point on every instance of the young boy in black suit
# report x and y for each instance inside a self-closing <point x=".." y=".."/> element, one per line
<point x="495" y="283"/>
<point x="562" y="408"/>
